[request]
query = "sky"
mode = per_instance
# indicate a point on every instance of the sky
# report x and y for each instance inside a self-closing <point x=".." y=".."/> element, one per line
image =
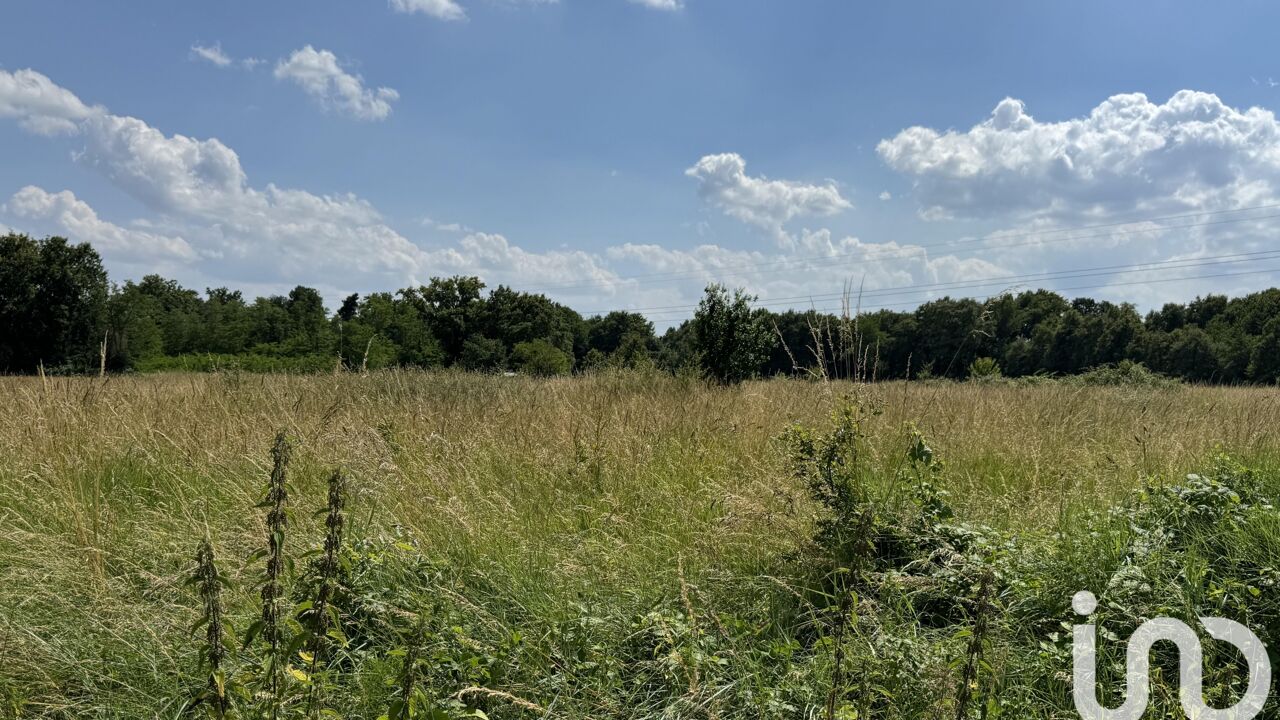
<point x="622" y="154"/>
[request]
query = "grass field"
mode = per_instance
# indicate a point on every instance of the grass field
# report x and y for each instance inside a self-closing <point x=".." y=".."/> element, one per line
<point x="625" y="545"/>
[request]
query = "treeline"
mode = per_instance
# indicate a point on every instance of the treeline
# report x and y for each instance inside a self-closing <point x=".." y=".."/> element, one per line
<point x="60" y="314"/>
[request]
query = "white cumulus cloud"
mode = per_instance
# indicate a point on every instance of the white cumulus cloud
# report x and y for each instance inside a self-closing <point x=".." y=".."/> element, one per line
<point x="1127" y="155"/>
<point x="207" y="224"/>
<point x="74" y="218"/>
<point x="319" y="74"/>
<point x="1163" y="180"/>
<point x="811" y="273"/>
<point x="206" y="213"/>
<point x="723" y="183"/>
<point x="38" y="104"/>
<point x="199" y="191"/>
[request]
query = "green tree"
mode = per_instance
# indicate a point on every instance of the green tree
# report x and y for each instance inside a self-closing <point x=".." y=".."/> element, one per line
<point x="677" y="349"/>
<point x="984" y="368"/>
<point x="226" y="321"/>
<point x="308" y="330"/>
<point x="948" y="336"/>
<point x="392" y="330"/>
<point x="791" y="342"/>
<point x="896" y="343"/>
<point x="1192" y="355"/>
<point x="482" y="354"/>
<point x="268" y="323"/>
<point x="452" y="310"/>
<point x="53" y="303"/>
<point x="133" y="333"/>
<point x="634" y="352"/>
<point x="350" y="306"/>
<point x="541" y="358"/>
<point x="176" y="311"/>
<point x="515" y="317"/>
<point x="607" y="333"/>
<point x="1264" y="363"/>
<point x="731" y="339"/>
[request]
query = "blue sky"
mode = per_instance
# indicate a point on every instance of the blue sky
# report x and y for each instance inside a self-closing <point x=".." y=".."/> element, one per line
<point x="622" y="153"/>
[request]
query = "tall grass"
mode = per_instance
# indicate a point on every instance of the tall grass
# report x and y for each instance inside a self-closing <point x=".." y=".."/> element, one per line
<point x="568" y="538"/>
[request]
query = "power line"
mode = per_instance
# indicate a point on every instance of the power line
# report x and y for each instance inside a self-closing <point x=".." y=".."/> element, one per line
<point x="874" y="255"/>
<point x="978" y="282"/>
<point x="892" y="255"/>
<point x="1059" y="290"/>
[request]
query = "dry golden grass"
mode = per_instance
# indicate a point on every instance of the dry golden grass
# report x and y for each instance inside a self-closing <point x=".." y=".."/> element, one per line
<point x="546" y="488"/>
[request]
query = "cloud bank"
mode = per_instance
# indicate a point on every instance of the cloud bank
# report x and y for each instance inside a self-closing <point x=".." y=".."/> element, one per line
<point x="208" y="224"/>
<point x="1129" y="154"/>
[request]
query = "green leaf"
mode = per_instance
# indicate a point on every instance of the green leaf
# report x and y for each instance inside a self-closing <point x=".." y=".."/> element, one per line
<point x="252" y="633"/>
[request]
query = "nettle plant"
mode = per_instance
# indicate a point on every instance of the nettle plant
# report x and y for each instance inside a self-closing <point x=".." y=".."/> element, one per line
<point x="296" y="657"/>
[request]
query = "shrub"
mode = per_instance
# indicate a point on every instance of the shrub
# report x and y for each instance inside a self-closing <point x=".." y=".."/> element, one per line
<point x="984" y="368"/>
<point x="1125" y="373"/>
<point x="541" y="358"/>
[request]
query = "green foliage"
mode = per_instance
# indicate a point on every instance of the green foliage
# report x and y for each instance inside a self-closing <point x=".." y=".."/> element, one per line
<point x="385" y="330"/>
<point x="321" y="627"/>
<point x="452" y="308"/>
<point x="541" y="358"/>
<point x="730" y="338"/>
<point x="1124" y="374"/>
<point x="56" y="309"/>
<point x="986" y="606"/>
<point x="515" y="317"/>
<point x="483" y="354"/>
<point x="53" y="298"/>
<point x="634" y="549"/>
<point x="984" y="368"/>
<point x="1264" y="362"/>
<point x="829" y="465"/>
<point x="209" y="583"/>
<point x="909" y="560"/>
<point x="248" y="362"/>
<point x="607" y="332"/>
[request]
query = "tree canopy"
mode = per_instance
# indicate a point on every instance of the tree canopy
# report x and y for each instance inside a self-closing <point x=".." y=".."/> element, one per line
<point x="57" y="307"/>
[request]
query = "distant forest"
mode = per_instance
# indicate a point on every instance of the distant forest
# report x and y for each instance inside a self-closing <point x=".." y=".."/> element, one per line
<point x="60" y="314"/>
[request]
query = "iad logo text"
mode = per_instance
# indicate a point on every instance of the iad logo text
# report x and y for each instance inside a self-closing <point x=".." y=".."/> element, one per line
<point x="1190" y="661"/>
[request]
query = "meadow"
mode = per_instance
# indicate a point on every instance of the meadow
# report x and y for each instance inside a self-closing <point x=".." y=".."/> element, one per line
<point x="623" y="544"/>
